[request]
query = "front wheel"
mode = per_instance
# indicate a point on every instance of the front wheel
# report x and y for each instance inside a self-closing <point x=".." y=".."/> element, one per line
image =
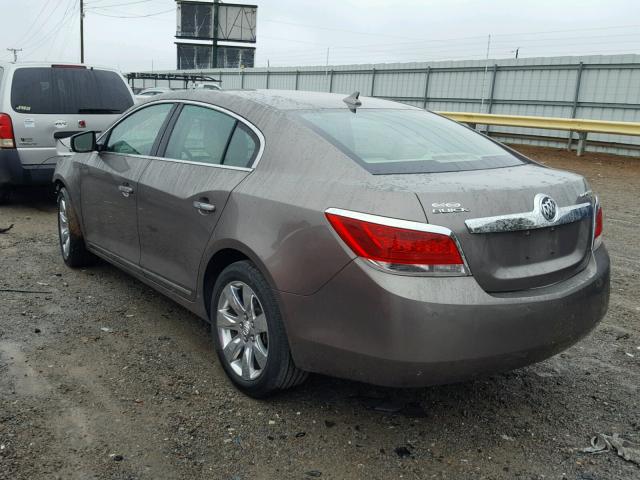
<point x="248" y="332"/>
<point x="72" y="247"/>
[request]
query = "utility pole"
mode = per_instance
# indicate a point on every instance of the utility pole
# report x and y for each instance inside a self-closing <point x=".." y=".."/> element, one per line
<point x="81" y="31"/>
<point x="214" y="49"/>
<point x="15" y="53"/>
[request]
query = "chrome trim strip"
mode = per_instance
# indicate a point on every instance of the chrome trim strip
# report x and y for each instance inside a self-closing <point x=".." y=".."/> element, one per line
<point x="163" y="282"/>
<point x="595" y="243"/>
<point x="254" y="129"/>
<point x="529" y="220"/>
<point x="189" y="162"/>
<point x="391" y="222"/>
<point x="408" y="225"/>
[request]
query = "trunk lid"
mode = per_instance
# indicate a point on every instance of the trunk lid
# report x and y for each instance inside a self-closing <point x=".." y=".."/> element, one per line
<point x="509" y="254"/>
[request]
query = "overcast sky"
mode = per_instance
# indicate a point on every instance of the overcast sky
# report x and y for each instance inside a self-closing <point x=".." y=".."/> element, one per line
<point x="298" y="32"/>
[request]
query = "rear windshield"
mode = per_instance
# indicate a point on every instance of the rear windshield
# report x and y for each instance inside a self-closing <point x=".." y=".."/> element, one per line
<point x="387" y="141"/>
<point x="68" y="91"/>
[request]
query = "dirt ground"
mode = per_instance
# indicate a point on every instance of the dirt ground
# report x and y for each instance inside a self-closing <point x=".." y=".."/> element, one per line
<point x="102" y="378"/>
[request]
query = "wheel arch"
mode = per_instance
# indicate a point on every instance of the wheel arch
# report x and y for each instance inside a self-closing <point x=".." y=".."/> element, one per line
<point x="59" y="183"/>
<point x="226" y="253"/>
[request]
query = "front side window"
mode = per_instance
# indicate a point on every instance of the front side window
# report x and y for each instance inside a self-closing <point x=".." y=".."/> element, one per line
<point x="388" y="141"/>
<point x="200" y="135"/>
<point x="137" y="133"/>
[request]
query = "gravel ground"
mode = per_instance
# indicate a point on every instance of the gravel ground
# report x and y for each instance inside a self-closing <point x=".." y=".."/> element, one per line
<point x="102" y="378"/>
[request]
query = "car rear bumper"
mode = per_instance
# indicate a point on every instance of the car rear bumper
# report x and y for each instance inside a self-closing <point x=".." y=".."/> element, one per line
<point x="396" y="330"/>
<point x="13" y="172"/>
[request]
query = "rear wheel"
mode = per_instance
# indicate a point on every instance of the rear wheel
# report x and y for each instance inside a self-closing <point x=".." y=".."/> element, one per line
<point x="248" y="332"/>
<point x="72" y="246"/>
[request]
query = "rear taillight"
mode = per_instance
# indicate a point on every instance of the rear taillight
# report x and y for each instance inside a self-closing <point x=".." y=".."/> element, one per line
<point x="598" y="227"/>
<point x="7" y="139"/>
<point x="399" y="246"/>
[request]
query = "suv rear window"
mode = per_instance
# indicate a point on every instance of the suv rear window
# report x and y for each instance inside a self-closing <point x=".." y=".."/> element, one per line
<point x="58" y="90"/>
<point x="389" y="141"/>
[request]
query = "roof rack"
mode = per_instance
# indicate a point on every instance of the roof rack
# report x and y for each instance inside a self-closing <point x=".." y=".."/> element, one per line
<point x="185" y="77"/>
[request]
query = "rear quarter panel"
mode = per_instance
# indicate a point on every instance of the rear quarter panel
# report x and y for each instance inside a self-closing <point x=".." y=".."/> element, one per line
<point x="277" y="212"/>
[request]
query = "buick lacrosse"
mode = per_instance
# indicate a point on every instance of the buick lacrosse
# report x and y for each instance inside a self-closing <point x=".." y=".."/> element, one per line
<point x="354" y="237"/>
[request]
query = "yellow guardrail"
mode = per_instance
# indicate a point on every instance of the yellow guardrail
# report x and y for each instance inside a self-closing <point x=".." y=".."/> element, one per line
<point x="582" y="126"/>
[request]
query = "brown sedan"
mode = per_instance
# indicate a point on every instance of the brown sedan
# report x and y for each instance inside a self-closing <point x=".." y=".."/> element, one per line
<point x="354" y="237"/>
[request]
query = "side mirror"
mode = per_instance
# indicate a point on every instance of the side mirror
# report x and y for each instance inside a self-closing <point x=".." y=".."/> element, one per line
<point x="84" y="142"/>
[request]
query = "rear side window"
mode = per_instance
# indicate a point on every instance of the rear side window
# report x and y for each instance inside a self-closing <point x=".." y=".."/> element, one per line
<point x="200" y="135"/>
<point x="389" y="141"/>
<point x="243" y="147"/>
<point x="56" y="90"/>
<point x="137" y="133"/>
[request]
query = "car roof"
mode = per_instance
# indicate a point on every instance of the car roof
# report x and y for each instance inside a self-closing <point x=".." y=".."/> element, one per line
<point x="12" y="65"/>
<point x="283" y="99"/>
<point x="159" y="89"/>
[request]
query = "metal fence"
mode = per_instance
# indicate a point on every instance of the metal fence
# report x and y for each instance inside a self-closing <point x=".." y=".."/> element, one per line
<point x="592" y="87"/>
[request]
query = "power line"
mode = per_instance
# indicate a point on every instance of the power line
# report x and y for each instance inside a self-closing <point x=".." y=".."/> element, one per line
<point x="70" y="11"/>
<point x="91" y="5"/>
<point x="54" y="31"/>
<point x="133" y="16"/>
<point x="472" y="40"/>
<point x="34" y="37"/>
<point x="28" y="30"/>
<point x="477" y="36"/>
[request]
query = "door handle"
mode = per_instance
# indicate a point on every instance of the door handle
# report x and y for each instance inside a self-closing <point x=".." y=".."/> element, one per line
<point x="126" y="190"/>
<point x="203" y="207"/>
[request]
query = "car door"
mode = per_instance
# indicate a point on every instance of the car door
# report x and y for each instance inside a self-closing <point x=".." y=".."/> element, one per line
<point x="206" y="152"/>
<point x="109" y="181"/>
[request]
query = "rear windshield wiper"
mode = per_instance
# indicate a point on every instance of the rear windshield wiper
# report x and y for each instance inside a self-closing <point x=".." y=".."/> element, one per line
<point x="99" y="110"/>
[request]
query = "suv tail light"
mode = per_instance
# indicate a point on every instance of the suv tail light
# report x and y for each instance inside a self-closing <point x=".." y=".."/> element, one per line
<point x="399" y="246"/>
<point x="598" y="227"/>
<point x="7" y="139"/>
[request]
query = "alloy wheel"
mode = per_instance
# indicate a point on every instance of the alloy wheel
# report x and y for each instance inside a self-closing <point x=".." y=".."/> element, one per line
<point x="63" y="223"/>
<point x="243" y="330"/>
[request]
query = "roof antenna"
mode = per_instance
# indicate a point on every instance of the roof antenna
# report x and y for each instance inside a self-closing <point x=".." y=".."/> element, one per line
<point x="352" y="101"/>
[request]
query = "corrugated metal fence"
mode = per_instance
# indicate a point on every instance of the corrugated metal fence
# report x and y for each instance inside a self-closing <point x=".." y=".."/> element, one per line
<point x="593" y="87"/>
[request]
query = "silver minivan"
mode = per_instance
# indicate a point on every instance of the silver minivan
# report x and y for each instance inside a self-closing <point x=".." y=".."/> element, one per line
<point x="42" y="105"/>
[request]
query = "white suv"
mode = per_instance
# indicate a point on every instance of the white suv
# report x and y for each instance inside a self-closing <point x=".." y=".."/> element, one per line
<point x="41" y="105"/>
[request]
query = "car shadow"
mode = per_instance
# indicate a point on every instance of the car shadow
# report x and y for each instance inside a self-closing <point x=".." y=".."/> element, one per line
<point x="42" y="198"/>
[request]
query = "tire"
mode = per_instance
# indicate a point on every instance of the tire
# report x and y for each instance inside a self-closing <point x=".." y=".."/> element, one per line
<point x="72" y="247"/>
<point x="268" y="367"/>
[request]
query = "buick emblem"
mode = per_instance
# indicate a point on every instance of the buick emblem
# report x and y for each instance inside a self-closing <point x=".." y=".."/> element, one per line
<point x="548" y="207"/>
